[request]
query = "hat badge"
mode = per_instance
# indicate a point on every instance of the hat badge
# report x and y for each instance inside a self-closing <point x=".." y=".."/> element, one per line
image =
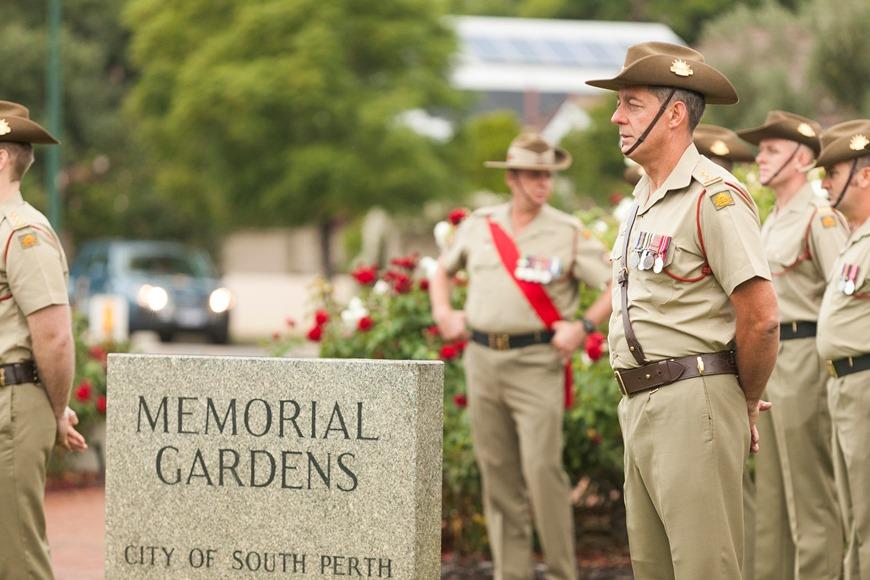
<point x="681" y="68"/>
<point x="805" y="130"/>
<point x="720" y="148"/>
<point x="858" y="142"/>
<point x="5" y="129"/>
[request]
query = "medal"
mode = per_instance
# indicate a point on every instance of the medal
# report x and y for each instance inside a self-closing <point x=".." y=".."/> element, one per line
<point x="659" y="265"/>
<point x="848" y="278"/>
<point x="849" y="288"/>
<point x="647" y="259"/>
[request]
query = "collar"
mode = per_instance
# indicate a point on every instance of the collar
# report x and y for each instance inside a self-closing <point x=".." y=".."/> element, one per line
<point x="679" y="178"/>
<point x="861" y="232"/>
<point x="14" y="201"/>
<point x="800" y="201"/>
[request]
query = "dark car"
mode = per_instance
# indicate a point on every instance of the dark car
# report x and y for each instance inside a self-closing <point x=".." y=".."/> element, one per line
<point x="168" y="286"/>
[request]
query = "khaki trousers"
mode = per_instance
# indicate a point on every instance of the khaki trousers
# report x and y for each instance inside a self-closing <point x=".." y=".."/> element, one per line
<point x="686" y="446"/>
<point x="516" y="406"/>
<point x="27" y="433"/>
<point x="798" y="521"/>
<point x="849" y="400"/>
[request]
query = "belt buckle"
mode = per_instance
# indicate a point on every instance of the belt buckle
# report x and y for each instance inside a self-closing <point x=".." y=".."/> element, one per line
<point x="499" y="341"/>
<point x="2" y="377"/>
<point x="619" y="382"/>
<point x="832" y="370"/>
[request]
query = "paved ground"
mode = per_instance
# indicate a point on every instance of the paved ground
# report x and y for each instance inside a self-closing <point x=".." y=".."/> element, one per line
<point x="75" y="531"/>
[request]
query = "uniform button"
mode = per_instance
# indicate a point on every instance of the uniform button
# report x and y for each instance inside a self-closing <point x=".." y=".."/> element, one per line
<point x="647" y="376"/>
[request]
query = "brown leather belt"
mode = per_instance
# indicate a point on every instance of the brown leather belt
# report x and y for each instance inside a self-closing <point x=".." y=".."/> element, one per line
<point x="18" y="373"/>
<point x="665" y="372"/>
<point x="849" y="365"/>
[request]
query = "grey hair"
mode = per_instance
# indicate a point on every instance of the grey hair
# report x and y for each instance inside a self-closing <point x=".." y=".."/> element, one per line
<point x="695" y="102"/>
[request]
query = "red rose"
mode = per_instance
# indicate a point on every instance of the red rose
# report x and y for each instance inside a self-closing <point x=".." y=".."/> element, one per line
<point x="457" y="215"/>
<point x="595" y="346"/>
<point x="615" y="198"/>
<point x="448" y="352"/>
<point x="98" y="353"/>
<point x="460" y="400"/>
<point x="83" y="392"/>
<point x="315" y="334"/>
<point x="366" y="275"/>
<point x="321" y="317"/>
<point x="424" y="284"/>
<point x="365" y="324"/>
<point x="460" y="346"/>
<point x="432" y="330"/>
<point x="402" y="284"/>
<point x="408" y="262"/>
<point x="101" y="404"/>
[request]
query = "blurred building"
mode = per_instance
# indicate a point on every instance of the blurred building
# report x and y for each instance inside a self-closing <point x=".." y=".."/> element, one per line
<point x="532" y="66"/>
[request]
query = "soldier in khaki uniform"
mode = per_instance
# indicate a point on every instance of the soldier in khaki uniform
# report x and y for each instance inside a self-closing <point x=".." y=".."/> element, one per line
<point x="692" y="286"/>
<point x="843" y="336"/>
<point x="723" y="147"/>
<point x="515" y="363"/>
<point x="798" y="516"/>
<point x="36" y="355"/>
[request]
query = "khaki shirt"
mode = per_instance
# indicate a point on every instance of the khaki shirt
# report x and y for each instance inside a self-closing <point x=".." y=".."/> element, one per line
<point x="33" y="274"/>
<point x="673" y="318"/>
<point x="800" y="280"/>
<point x="495" y="303"/>
<point x="843" y="319"/>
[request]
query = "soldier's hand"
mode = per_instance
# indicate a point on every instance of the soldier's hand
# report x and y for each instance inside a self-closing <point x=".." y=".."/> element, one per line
<point x="569" y="336"/>
<point x="754" y="408"/>
<point x="67" y="436"/>
<point x="451" y="325"/>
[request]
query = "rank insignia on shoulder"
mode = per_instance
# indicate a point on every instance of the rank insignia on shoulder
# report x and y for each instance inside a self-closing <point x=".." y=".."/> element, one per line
<point x="828" y="221"/>
<point x="28" y="240"/>
<point x="722" y="199"/>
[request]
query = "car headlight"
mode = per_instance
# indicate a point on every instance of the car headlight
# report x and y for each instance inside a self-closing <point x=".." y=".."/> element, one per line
<point x="152" y="297"/>
<point x="220" y="300"/>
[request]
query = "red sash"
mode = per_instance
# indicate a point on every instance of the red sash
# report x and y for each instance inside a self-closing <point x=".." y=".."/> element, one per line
<point x="538" y="298"/>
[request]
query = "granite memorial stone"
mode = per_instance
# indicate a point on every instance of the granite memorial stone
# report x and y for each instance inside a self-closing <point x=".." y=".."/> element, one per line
<point x="231" y="467"/>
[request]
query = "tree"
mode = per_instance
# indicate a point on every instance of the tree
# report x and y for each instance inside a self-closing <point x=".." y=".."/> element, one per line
<point x="486" y="137"/>
<point x="267" y="112"/>
<point x="839" y="56"/>
<point x="597" y="171"/>
<point x="768" y="62"/>
<point x="95" y="148"/>
<point x="686" y="17"/>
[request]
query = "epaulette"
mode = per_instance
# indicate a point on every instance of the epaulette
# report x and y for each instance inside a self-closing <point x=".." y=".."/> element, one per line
<point x="828" y="217"/>
<point x="16" y="221"/>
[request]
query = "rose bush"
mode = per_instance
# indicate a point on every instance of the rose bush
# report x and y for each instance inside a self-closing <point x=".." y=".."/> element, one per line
<point x="390" y="318"/>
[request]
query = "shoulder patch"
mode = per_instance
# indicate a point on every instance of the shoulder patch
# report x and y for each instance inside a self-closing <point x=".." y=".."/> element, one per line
<point x="28" y="240"/>
<point x="828" y="220"/>
<point x="722" y="199"/>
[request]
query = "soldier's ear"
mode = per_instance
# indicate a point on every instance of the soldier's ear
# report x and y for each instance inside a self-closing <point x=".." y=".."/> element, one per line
<point x="679" y="113"/>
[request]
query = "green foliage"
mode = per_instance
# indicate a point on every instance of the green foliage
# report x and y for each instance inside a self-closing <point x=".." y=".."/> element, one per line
<point x="89" y="393"/>
<point x="598" y="163"/>
<point x="270" y="112"/>
<point x="686" y="17"/>
<point x="96" y="157"/>
<point x="839" y="57"/>
<point x="778" y="44"/>
<point x="486" y="138"/>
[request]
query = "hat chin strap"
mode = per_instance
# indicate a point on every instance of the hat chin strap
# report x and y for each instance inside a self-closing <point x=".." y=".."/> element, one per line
<point x="781" y="167"/>
<point x="652" y="124"/>
<point x="848" y="182"/>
